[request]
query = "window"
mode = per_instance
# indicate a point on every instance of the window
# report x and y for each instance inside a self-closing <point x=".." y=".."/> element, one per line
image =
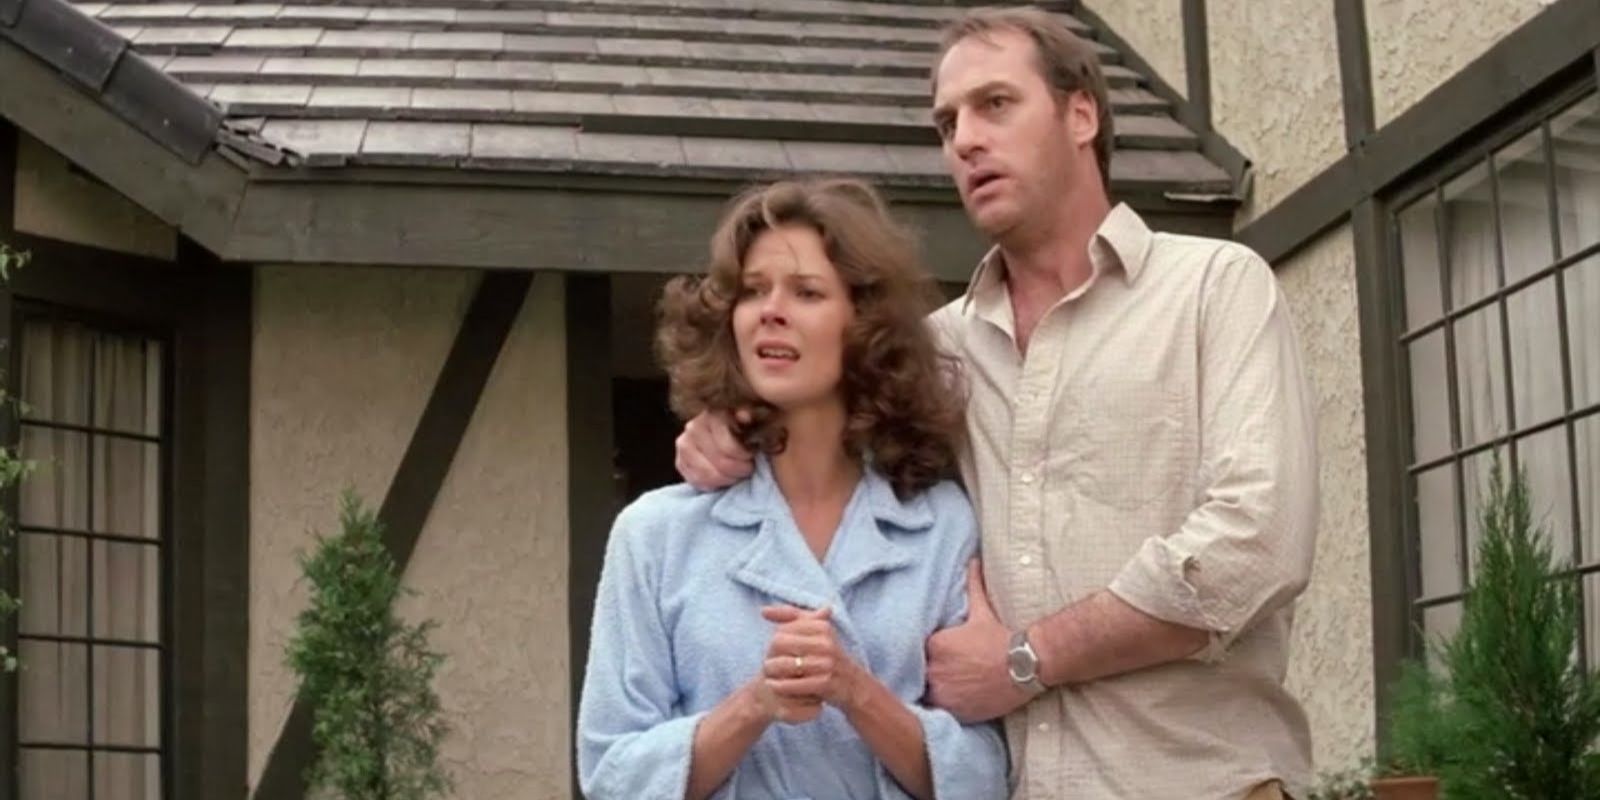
<point x="1501" y="342"/>
<point x="91" y="545"/>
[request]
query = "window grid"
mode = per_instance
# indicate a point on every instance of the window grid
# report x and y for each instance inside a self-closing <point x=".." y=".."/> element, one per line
<point x="96" y="435"/>
<point x="1446" y="322"/>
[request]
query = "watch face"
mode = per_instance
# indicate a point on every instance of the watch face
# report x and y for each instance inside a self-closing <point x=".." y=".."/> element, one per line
<point x="1021" y="664"/>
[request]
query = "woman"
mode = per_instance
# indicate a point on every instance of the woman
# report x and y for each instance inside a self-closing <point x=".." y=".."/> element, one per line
<point x="766" y="641"/>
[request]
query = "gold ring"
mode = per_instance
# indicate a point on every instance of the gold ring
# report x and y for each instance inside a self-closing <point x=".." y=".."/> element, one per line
<point x="799" y="664"/>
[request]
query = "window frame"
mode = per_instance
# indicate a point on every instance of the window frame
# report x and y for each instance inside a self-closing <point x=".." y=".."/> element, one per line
<point x="26" y="310"/>
<point x="1398" y="588"/>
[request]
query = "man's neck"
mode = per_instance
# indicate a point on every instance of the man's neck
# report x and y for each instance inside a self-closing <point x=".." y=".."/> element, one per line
<point x="1049" y="262"/>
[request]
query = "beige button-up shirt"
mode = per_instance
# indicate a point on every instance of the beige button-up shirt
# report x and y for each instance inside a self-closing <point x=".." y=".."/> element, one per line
<point x="1156" y="439"/>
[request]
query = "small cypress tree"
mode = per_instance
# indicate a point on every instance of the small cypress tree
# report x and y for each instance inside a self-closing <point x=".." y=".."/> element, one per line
<point x="1512" y="717"/>
<point x="368" y="674"/>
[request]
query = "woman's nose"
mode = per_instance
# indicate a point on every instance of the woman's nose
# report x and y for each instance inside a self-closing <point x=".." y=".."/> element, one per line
<point x="772" y="312"/>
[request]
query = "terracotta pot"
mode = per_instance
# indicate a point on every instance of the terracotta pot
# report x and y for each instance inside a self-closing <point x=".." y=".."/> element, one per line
<point x="1406" y="788"/>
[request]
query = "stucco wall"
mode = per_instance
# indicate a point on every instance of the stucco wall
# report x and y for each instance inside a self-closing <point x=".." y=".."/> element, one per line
<point x="344" y="360"/>
<point x="1418" y="44"/>
<point x="491" y="568"/>
<point x="1275" y="91"/>
<point x="1331" y="666"/>
<point x="54" y="201"/>
<point x="1154" y="29"/>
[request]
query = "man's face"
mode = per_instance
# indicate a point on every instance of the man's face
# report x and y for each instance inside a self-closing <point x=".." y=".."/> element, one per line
<point x="1012" y="144"/>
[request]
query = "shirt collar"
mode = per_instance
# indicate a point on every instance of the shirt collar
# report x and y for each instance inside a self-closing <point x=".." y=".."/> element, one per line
<point x="1123" y="239"/>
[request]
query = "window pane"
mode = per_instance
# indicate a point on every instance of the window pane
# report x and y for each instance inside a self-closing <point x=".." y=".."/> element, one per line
<point x="1587" y="439"/>
<point x="55" y="585"/>
<point x="1469" y="220"/>
<point x="1475" y="471"/>
<point x="1419" y="253"/>
<point x="1439" y="541"/>
<point x="54" y="775"/>
<point x="127" y="696"/>
<point x="126" y="776"/>
<point x="1430" y="400"/>
<point x="1543" y="457"/>
<point x="1481" y="376"/>
<point x="127" y="487"/>
<point x="127" y="384"/>
<point x="127" y="591"/>
<point x="1524" y="206"/>
<point x="52" y="692"/>
<point x="1575" y="137"/>
<point x="57" y="494"/>
<point x="1439" y="624"/>
<point x="55" y="371"/>
<point x="1536" y="353"/>
<point x="1583" y="330"/>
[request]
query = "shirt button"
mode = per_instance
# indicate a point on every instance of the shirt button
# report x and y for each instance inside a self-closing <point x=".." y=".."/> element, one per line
<point x="1027" y="477"/>
<point x="1044" y="727"/>
<point x="1025" y="560"/>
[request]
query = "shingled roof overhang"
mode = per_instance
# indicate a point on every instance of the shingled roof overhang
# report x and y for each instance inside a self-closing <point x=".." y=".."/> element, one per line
<point x="548" y="134"/>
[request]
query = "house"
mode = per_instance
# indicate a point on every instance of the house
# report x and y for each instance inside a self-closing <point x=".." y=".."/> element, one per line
<point x="410" y="248"/>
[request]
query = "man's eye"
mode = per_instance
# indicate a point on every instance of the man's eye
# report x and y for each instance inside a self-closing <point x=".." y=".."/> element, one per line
<point x="996" y="103"/>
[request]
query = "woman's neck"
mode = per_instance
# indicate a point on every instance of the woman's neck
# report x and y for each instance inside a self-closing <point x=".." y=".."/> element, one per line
<point x="815" y="473"/>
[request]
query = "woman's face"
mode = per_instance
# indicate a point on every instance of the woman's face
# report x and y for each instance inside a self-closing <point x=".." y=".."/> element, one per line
<point x="790" y="320"/>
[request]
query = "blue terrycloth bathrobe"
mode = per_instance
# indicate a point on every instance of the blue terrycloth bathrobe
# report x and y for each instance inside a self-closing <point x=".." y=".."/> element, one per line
<point x="678" y="627"/>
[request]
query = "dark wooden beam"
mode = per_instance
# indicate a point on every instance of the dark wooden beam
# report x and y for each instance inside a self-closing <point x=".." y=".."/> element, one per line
<point x="1387" y="423"/>
<point x="1355" y="70"/>
<point x="1378" y="290"/>
<point x="1555" y="46"/>
<point x="544" y="228"/>
<point x="591" y="489"/>
<point x="1197" y="60"/>
<point x="417" y="481"/>
<point x="225" y="328"/>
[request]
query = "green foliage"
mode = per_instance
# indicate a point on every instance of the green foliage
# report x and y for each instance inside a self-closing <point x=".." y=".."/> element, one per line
<point x="12" y="468"/>
<point x="367" y="673"/>
<point x="11" y="261"/>
<point x="1511" y="715"/>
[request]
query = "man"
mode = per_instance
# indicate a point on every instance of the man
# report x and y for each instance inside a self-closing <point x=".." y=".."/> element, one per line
<point x="1141" y="454"/>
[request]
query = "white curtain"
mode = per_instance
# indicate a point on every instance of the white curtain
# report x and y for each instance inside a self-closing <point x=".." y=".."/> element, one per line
<point x="105" y="484"/>
<point x="1477" y="247"/>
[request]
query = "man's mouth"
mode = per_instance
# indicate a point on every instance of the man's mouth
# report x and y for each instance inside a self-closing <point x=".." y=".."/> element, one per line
<point x="982" y="178"/>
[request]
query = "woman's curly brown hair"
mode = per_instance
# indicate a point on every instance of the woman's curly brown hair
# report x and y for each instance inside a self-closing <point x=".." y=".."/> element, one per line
<point x="904" y="410"/>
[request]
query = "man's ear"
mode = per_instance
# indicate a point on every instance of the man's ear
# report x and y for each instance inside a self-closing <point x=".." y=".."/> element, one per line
<point x="1083" y="118"/>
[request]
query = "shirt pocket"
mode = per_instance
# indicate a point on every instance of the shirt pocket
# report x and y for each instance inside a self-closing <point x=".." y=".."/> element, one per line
<point x="1132" y="441"/>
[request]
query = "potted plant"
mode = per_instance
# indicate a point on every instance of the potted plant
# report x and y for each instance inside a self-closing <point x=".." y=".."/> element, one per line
<point x="1509" y="713"/>
<point x="377" y="723"/>
<point x="1421" y="733"/>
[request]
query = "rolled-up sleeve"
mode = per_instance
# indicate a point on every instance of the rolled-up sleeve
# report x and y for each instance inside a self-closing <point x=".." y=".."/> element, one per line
<point x="631" y="745"/>
<point x="1246" y="549"/>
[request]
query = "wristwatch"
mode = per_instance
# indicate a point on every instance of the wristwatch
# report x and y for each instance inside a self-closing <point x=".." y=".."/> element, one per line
<point x="1023" y="664"/>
